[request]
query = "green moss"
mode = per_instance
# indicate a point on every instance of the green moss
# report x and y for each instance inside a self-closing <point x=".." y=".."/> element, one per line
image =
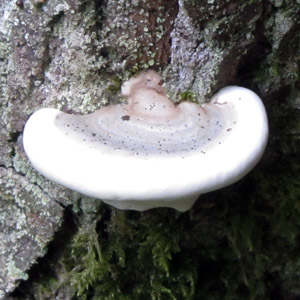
<point x="188" y="96"/>
<point x="132" y="262"/>
<point x="115" y="85"/>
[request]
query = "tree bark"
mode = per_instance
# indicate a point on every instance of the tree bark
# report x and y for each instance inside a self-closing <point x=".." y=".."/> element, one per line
<point x="238" y="243"/>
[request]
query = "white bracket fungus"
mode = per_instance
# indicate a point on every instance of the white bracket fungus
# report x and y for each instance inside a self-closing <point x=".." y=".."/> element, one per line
<point x="150" y="152"/>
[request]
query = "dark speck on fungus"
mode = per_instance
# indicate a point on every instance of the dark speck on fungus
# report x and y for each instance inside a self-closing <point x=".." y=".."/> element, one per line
<point x="125" y="118"/>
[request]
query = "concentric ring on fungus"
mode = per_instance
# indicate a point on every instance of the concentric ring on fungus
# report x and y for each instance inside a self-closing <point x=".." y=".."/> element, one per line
<point x="150" y="152"/>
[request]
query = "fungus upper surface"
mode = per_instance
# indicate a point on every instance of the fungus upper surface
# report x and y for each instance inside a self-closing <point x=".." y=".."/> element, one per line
<point x="150" y="152"/>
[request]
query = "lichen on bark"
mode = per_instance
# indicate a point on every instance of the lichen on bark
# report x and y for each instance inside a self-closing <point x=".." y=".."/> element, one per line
<point x="237" y="243"/>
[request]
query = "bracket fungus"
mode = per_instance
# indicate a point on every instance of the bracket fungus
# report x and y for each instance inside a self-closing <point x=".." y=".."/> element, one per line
<point x="150" y="152"/>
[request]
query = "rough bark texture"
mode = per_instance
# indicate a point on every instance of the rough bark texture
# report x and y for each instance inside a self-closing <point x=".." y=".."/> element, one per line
<point x="238" y="243"/>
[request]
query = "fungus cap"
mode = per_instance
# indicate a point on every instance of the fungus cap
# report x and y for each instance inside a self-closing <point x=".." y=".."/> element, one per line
<point x="150" y="152"/>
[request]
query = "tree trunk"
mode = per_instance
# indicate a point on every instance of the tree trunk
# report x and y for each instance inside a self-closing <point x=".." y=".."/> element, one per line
<point x="237" y="243"/>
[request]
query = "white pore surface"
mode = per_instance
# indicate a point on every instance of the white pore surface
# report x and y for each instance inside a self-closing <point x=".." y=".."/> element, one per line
<point x="135" y="161"/>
